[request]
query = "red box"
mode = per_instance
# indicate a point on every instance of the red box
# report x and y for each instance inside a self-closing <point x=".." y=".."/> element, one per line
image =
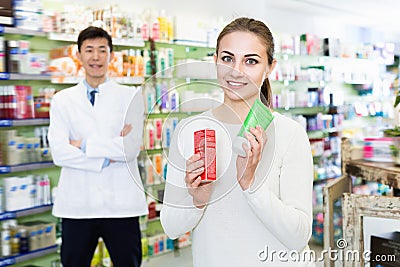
<point x="204" y="144"/>
<point x="42" y="110"/>
<point x="24" y="102"/>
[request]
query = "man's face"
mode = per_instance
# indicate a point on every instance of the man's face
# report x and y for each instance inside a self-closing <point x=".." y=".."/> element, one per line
<point x="95" y="56"/>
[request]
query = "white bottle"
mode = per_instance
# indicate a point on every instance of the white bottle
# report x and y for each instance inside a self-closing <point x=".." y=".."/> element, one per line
<point x="173" y="97"/>
<point x="157" y="165"/>
<point x="164" y="168"/>
<point x="170" y="61"/>
<point x="146" y="63"/>
<point x="158" y="133"/>
<point x="165" y="103"/>
<point x="39" y="191"/>
<point x="137" y="28"/>
<point x="167" y="133"/>
<point x="149" y="170"/>
<point x="162" y="62"/>
<point x="1" y="199"/>
<point x="149" y="135"/>
<point x="138" y="64"/>
<point x="46" y="190"/>
<point x="157" y="106"/>
<point x="149" y="98"/>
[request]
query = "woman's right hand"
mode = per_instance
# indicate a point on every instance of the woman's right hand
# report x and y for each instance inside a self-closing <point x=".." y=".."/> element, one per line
<point x="200" y="192"/>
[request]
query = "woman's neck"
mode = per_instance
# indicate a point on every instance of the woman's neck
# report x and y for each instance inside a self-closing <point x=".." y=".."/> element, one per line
<point x="233" y="112"/>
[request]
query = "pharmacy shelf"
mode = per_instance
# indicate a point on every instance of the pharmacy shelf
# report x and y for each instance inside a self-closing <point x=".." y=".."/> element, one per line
<point x="302" y="110"/>
<point x="75" y="80"/>
<point x="22" y="76"/>
<point x="28" y="256"/>
<point x="130" y="42"/>
<point x="317" y="134"/>
<point x="13" y="30"/>
<point x="155" y="219"/>
<point x="24" y="122"/>
<point x="8" y="215"/>
<point x="25" y="167"/>
<point x="325" y="180"/>
<point x="165" y="115"/>
<point x="191" y="43"/>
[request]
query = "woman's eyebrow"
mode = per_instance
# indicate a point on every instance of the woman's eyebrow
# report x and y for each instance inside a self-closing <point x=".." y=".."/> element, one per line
<point x="251" y="55"/>
<point x="227" y="52"/>
<point x="247" y="55"/>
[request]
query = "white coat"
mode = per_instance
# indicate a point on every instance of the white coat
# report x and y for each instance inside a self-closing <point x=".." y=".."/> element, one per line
<point x="85" y="189"/>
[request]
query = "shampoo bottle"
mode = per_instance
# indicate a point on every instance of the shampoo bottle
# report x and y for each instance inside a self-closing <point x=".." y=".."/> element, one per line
<point x="259" y="114"/>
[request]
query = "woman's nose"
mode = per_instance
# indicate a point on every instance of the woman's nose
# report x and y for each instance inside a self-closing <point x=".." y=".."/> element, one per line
<point x="237" y="69"/>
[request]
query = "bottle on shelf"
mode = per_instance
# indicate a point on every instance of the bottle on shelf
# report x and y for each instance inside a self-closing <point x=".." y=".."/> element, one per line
<point x="333" y="111"/>
<point x="149" y="95"/>
<point x="149" y="135"/>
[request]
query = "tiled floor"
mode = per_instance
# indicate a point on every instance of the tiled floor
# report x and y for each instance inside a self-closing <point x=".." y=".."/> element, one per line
<point x="184" y="259"/>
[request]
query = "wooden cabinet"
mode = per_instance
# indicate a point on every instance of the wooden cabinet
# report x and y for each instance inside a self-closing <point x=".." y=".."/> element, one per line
<point x="355" y="207"/>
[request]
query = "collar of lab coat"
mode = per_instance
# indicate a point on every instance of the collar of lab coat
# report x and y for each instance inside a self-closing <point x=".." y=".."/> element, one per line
<point x="107" y="85"/>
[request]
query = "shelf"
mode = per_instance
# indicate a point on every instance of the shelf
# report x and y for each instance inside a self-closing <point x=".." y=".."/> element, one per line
<point x="170" y="115"/>
<point x="156" y="219"/>
<point x="22" y="76"/>
<point x="358" y="82"/>
<point x="381" y="172"/>
<point x="317" y="134"/>
<point x="161" y="184"/>
<point x="75" y="80"/>
<point x="302" y="110"/>
<point x="153" y="151"/>
<point x="14" y="30"/>
<point x="116" y="41"/>
<point x="8" y="215"/>
<point x="25" y="167"/>
<point x="24" y="122"/>
<point x="324" y="180"/>
<point x="318" y="208"/>
<point x="28" y="256"/>
<point x="191" y="43"/>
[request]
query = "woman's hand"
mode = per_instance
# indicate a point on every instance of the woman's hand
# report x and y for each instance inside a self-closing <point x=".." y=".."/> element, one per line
<point x="200" y="192"/>
<point x="247" y="166"/>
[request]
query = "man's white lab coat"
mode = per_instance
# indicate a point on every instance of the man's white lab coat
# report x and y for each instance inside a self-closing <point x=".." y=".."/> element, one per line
<point x="85" y="188"/>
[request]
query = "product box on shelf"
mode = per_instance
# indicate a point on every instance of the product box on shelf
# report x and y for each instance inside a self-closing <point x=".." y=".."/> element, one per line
<point x="2" y="55"/>
<point x="42" y="234"/>
<point x="42" y="109"/>
<point x="17" y="149"/>
<point x="378" y="149"/>
<point x="6" y="12"/>
<point x="331" y="47"/>
<point x="309" y="44"/>
<point x="25" y="108"/>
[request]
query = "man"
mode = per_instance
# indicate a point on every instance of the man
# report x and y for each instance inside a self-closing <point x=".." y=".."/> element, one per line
<point x="95" y="135"/>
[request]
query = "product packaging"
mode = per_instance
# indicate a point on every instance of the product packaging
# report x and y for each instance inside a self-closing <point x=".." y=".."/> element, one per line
<point x="259" y="114"/>
<point x="205" y="145"/>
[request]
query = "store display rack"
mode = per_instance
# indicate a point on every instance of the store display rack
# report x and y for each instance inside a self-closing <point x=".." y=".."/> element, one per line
<point x="15" y="30"/>
<point x="74" y="80"/>
<point x="8" y="215"/>
<point x="26" y="167"/>
<point x="24" y="122"/>
<point x="28" y="256"/>
<point x="356" y="206"/>
<point x="19" y="76"/>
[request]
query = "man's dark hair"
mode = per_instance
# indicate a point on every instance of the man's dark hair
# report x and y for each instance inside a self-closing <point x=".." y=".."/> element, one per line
<point x="92" y="32"/>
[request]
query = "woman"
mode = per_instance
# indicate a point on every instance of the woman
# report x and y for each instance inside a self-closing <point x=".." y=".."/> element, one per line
<point x="260" y="208"/>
